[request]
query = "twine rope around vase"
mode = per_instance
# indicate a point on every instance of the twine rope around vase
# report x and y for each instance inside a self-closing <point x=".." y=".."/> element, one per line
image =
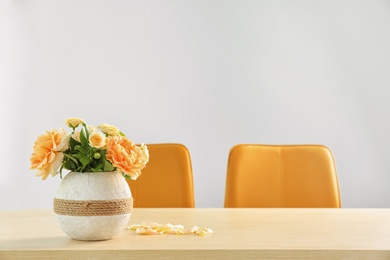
<point x="93" y="207"/>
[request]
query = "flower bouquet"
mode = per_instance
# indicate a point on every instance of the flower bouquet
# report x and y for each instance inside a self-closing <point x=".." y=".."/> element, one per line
<point x="92" y="149"/>
<point x="93" y="201"/>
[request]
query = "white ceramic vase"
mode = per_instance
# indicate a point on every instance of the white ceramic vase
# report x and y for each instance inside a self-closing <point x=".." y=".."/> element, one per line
<point x="93" y="205"/>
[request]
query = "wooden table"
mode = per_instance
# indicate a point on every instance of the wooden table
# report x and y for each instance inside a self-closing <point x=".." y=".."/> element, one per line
<point x="238" y="234"/>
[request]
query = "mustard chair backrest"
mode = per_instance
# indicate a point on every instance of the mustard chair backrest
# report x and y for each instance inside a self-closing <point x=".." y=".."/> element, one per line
<point x="166" y="181"/>
<point x="282" y="176"/>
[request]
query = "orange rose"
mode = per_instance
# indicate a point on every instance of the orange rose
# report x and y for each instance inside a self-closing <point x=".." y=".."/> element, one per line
<point x="126" y="156"/>
<point x="47" y="153"/>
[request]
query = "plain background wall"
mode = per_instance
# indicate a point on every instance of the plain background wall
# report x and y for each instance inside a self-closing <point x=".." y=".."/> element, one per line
<point x="209" y="74"/>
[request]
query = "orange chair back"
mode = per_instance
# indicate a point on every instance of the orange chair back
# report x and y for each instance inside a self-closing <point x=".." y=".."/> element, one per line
<point x="166" y="181"/>
<point x="285" y="176"/>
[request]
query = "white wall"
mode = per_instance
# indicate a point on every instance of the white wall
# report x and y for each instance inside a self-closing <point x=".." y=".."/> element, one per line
<point x="209" y="74"/>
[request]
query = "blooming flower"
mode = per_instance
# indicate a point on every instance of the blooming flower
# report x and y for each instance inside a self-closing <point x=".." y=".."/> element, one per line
<point x="126" y="156"/>
<point x="109" y="130"/>
<point x="73" y="122"/>
<point x="47" y="153"/>
<point x="97" y="140"/>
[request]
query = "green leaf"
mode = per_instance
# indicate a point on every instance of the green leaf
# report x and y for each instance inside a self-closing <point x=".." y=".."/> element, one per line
<point x="86" y="130"/>
<point x="108" y="166"/>
<point x="60" y="170"/>
<point x="98" y="167"/>
<point x="84" y="138"/>
<point x="70" y="165"/>
<point x="84" y="161"/>
<point x="81" y="149"/>
<point x="73" y="143"/>
<point x="77" y="156"/>
<point x="127" y="177"/>
<point x="71" y="158"/>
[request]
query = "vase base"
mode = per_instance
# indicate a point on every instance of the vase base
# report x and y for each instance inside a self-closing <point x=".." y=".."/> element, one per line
<point x="93" y="228"/>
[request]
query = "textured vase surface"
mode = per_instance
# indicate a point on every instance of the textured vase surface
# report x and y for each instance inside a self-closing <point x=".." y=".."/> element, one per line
<point x="90" y="187"/>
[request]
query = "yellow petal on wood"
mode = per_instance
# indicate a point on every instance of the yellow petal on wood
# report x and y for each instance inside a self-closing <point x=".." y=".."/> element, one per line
<point x="154" y="228"/>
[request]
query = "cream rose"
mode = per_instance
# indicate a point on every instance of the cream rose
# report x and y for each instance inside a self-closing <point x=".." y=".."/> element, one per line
<point x="109" y="130"/>
<point x="73" y="122"/>
<point x="97" y="140"/>
<point x="47" y="153"/>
